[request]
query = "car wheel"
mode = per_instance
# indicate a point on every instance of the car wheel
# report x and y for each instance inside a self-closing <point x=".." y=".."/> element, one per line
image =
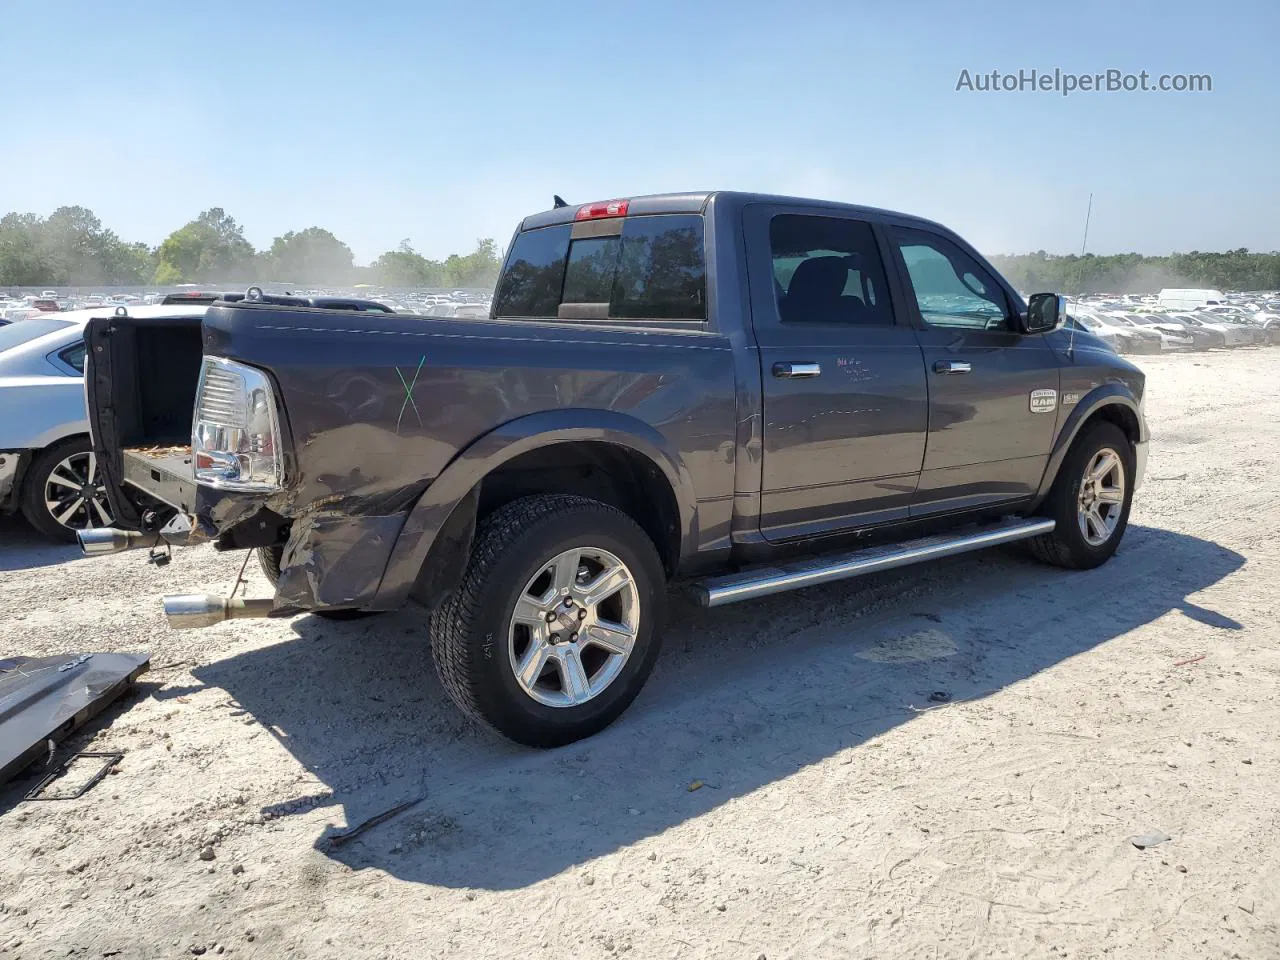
<point x="64" y="491"/>
<point x="557" y="621"/>
<point x="269" y="561"/>
<point x="1090" y="500"/>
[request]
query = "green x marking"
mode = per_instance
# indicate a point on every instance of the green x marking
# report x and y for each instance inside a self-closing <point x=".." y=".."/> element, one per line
<point x="408" y="394"/>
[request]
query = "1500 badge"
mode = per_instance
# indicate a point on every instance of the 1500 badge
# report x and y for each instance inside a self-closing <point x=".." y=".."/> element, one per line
<point x="1044" y="401"/>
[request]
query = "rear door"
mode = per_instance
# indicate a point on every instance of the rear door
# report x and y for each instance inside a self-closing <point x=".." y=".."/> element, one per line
<point x="845" y="401"/>
<point x="993" y="392"/>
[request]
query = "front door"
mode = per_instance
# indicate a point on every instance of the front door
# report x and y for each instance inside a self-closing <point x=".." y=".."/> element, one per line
<point x="845" y="402"/>
<point x="993" y="392"/>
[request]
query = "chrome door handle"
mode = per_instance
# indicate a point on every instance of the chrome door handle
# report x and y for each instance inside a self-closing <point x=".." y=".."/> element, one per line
<point x="797" y="370"/>
<point x="952" y="366"/>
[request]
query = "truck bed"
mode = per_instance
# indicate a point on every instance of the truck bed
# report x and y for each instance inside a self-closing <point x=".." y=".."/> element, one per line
<point x="164" y="472"/>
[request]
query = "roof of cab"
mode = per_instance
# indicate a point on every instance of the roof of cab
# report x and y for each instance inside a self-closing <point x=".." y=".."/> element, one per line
<point x="696" y="202"/>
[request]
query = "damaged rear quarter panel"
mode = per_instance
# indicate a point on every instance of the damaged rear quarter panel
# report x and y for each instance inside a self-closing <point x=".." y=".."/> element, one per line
<point x="376" y="407"/>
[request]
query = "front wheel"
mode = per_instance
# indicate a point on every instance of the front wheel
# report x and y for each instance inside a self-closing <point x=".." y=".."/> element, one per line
<point x="1090" y="500"/>
<point x="557" y="621"/>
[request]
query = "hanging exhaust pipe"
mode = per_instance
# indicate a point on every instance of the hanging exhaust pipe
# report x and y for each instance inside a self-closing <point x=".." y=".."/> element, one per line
<point x="100" y="541"/>
<point x="187" y="611"/>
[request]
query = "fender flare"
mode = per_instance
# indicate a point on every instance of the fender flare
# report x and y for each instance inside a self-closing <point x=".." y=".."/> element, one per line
<point x="459" y="478"/>
<point x="1111" y="394"/>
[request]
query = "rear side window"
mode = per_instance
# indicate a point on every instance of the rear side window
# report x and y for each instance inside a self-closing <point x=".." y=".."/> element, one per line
<point x="827" y="270"/>
<point x="73" y="356"/>
<point x="534" y="276"/>
<point x="654" y="269"/>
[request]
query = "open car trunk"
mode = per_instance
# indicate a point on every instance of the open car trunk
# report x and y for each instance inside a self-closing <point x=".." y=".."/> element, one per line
<point x="141" y="376"/>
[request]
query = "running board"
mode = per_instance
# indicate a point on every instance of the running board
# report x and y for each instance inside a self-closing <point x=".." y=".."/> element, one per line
<point x="761" y="582"/>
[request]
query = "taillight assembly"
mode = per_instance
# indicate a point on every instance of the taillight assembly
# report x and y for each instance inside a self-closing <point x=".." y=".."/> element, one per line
<point x="596" y="211"/>
<point x="235" y="434"/>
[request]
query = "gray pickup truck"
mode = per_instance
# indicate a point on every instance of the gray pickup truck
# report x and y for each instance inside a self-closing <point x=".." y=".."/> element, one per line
<point x="735" y="393"/>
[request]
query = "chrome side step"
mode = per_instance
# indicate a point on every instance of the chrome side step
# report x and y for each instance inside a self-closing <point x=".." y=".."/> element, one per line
<point x="761" y="582"/>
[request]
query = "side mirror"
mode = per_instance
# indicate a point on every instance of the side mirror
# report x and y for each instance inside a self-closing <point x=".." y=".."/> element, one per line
<point x="1045" y="312"/>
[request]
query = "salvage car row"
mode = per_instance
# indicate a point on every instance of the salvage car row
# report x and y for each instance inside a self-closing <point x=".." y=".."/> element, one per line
<point x="1149" y="325"/>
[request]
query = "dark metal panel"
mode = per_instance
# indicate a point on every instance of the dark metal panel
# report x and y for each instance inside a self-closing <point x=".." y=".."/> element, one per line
<point x="729" y="314"/>
<point x="380" y="408"/>
<point x="521" y="436"/>
<point x="1093" y="379"/>
<point x="334" y="560"/>
<point x="985" y="415"/>
<point x="842" y="448"/>
<point x="46" y="698"/>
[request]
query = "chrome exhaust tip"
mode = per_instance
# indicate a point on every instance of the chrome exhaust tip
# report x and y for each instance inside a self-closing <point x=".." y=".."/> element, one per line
<point x="100" y="541"/>
<point x="189" y="611"/>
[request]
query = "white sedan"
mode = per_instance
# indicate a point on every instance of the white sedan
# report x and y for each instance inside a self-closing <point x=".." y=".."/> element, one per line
<point x="47" y="469"/>
<point x="1235" y="334"/>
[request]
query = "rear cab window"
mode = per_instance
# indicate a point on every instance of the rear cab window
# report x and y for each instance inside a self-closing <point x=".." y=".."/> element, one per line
<point x="650" y="267"/>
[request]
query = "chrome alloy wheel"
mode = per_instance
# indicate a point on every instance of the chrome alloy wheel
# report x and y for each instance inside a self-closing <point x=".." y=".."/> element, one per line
<point x="74" y="494"/>
<point x="1101" y="497"/>
<point x="574" y="626"/>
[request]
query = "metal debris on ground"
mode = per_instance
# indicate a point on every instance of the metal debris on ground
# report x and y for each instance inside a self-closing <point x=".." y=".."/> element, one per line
<point x="40" y="790"/>
<point x="338" y="839"/>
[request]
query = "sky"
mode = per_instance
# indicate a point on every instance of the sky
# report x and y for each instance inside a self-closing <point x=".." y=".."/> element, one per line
<point x="442" y="122"/>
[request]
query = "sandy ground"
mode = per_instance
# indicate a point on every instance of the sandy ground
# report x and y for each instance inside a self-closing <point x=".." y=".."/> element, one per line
<point x="842" y="813"/>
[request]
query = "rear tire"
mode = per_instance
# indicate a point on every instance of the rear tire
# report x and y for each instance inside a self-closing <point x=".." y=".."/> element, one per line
<point x="269" y="561"/>
<point x="1088" y="531"/>
<point x="484" y="647"/>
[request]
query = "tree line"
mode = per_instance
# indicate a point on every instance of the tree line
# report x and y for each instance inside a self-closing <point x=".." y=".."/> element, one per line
<point x="72" y="247"/>
<point x="1134" y="273"/>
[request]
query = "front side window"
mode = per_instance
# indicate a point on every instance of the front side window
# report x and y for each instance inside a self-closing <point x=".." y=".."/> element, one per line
<point x="951" y="288"/>
<point x="827" y="270"/>
<point x="654" y="269"/>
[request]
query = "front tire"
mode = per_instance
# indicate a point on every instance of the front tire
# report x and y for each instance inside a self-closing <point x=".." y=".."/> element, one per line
<point x="557" y="622"/>
<point x="64" y="491"/>
<point x="1090" y="500"/>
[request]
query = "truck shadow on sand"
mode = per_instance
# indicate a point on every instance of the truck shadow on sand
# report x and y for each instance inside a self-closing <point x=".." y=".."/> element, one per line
<point x="743" y="697"/>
